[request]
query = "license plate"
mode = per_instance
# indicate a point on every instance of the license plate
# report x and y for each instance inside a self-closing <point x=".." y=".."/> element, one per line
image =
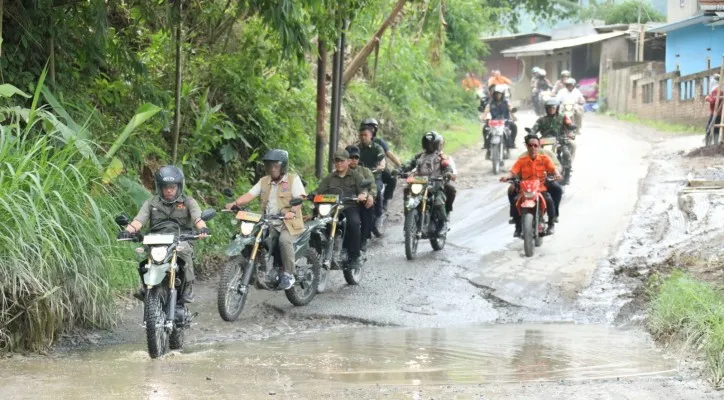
<point x="417" y="179"/>
<point x="326" y="198"/>
<point x="548" y="140"/>
<point x="495" y="139"/>
<point x="248" y="216"/>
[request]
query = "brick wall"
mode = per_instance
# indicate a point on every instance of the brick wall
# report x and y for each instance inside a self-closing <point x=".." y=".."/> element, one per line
<point x="649" y="97"/>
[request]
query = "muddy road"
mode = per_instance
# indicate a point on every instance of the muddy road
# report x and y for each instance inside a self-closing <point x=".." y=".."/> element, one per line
<point x="476" y="320"/>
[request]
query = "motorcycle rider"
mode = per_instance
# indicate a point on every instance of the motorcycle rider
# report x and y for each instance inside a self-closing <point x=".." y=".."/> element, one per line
<point x="367" y="213"/>
<point x="496" y="78"/>
<point x="533" y="87"/>
<point x="571" y="94"/>
<point x="389" y="181"/>
<point x="450" y="190"/>
<point x="277" y="189"/>
<point x="170" y="205"/>
<point x="499" y="108"/>
<point x="561" y="83"/>
<point x="433" y="163"/>
<point x="372" y="156"/>
<point x="539" y="166"/>
<point x="543" y="83"/>
<point x="555" y="124"/>
<point x="347" y="183"/>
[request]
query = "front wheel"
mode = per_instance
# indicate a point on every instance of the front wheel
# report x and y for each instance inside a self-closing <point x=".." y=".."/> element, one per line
<point x="495" y="157"/>
<point x="528" y="234"/>
<point x="412" y="218"/>
<point x="155" y="318"/>
<point x="231" y="297"/>
<point x="306" y="288"/>
<point x="438" y="243"/>
<point x="353" y="276"/>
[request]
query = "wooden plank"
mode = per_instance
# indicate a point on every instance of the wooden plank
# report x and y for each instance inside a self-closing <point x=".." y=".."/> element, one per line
<point x="705" y="183"/>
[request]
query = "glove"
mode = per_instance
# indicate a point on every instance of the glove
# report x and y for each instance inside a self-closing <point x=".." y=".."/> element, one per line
<point x="125" y="235"/>
<point x="204" y="231"/>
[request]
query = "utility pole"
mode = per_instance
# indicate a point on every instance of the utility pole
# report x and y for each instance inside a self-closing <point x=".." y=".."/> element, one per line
<point x="321" y="104"/>
<point x="639" y="56"/>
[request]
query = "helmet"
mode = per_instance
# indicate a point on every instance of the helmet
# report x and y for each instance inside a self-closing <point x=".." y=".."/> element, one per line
<point x="431" y="142"/>
<point x="570" y="81"/>
<point x="565" y="72"/>
<point x="369" y="123"/>
<point x="716" y="77"/>
<point x="277" y="156"/>
<point x="500" y="88"/>
<point x="551" y="103"/>
<point x="542" y="72"/>
<point x="168" y="175"/>
<point x="352" y="150"/>
<point x="534" y="70"/>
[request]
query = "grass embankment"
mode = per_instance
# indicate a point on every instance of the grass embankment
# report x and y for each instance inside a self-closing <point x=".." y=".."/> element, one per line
<point x="661" y="126"/>
<point x="691" y="311"/>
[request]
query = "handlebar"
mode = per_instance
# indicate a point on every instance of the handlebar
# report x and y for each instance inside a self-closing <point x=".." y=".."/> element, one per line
<point x="180" y="238"/>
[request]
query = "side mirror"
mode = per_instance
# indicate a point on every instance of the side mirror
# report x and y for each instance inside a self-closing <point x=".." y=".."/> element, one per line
<point x="528" y="130"/>
<point x="122" y="220"/>
<point x="514" y="110"/>
<point x="366" y="184"/>
<point x="208" y="214"/>
<point x="228" y="192"/>
<point x="295" y="202"/>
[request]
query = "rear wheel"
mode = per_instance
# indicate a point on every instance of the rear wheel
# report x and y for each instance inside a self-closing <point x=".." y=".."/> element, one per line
<point x="155" y="319"/>
<point x="229" y="299"/>
<point x="305" y="288"/>
<point x="528" y="234"/>
<point x="412" y="219"/>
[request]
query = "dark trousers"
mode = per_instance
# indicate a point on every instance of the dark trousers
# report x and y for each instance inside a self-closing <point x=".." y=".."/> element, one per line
<point x="390" y="185"/>
<point x="513" y="132"/>
<point x="353" y="235"/>
<point x="716" y="121"/>
<point x="551" y="205"/>
<point x="367" y="221"/>
<point x="450" y="193"/>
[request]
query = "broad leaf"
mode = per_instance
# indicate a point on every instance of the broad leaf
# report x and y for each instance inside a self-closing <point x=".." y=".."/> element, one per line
<point x="8" y="90"/>
<point x="115" y="168"/>
<point x="144" y="113"/>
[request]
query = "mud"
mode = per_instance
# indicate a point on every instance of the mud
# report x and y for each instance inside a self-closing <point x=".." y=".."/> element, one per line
<point x="621" y="215"/>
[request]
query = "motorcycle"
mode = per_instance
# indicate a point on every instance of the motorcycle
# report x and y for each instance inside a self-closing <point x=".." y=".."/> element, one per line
<point x="328" y="235"/>
<point x="531" y="207"/>
<point x="254" y="258"/>
<point x="498" y="143"/>
<point x="569" y="109"/>
<point x="424" y="213"/>
<point x="164" y="317"/>
<point x="558" y="145"/>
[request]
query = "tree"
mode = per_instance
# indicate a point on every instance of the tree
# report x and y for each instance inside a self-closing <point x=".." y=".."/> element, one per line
<point x="626" y="12"/>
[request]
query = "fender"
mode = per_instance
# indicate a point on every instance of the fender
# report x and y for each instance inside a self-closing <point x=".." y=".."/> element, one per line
<point x="238" y="244"/>
<point x="156" y="273"/>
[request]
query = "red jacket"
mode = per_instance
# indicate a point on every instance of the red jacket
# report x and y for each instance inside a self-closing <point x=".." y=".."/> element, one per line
<point x="711" y="99"/>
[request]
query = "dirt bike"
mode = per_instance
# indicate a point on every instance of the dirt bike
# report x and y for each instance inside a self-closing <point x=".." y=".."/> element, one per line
<point x="328" y="237"/>
<point x="424" y="213"/>
<point x="531" y="207"/>
<point x="254" y="258"/>
<point x="569" y="109"/>
<point x="164" y="317"/>
<point x="558" y="144"/>
<point x="498" y="141"/>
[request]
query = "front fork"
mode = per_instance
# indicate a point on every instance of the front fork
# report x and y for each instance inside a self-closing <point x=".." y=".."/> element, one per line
<point x="250" y="263"/>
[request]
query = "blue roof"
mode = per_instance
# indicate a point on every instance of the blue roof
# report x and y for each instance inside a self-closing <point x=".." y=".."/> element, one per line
<point x="695" y="20"/>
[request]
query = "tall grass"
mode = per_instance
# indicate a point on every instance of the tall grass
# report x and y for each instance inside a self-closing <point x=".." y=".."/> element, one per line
<point x="693" y="311"/>
<point x="58" y="255"/>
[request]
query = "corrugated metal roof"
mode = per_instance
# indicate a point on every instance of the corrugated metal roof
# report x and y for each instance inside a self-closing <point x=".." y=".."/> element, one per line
<point x="548" y="47"/>
<point x="695" y="20"/>
<point x="516" y="36"/>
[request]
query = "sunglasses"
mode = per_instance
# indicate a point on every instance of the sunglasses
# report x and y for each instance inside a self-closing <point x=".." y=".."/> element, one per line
<point x="534" y="145"/>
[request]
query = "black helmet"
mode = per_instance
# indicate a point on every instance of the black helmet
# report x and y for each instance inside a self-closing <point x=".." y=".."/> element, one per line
<point x="431" y="142"/>
<point x="371" y="124"/>
<point x="353" y="150"/>
<point x="277" y="156"/>
<point x="166" y="175"/>
<point x="552" y="103"/>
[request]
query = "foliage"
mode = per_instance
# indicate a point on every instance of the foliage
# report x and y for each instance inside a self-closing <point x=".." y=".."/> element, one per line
<point x="686" y="309"/>
<point x="60" y="260"/>
<point x="626" y="12"/>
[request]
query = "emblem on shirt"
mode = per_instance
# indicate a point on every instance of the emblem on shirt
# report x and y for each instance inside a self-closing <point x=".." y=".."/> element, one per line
<point x="180" y="206"/>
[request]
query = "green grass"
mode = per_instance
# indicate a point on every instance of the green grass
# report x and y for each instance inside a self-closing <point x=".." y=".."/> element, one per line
<point x="693" y="311"/>
<point x="660" y="126"/>
<point x="463" y="134"/>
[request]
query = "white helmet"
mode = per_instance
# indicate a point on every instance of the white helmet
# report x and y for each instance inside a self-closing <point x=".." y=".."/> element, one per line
<point x="570" y="81"/>
<point x="500" y="88"/>
<point x="535" y="70"/>
<point x="542" y="72"/>
<point x="566" y="72"/>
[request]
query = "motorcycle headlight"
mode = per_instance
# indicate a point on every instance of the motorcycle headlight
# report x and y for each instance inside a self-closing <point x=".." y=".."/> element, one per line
<point x="325" y="209"/>
<point x="246" y="228"/>
<point x="158" y="254"/>
<point x="529" y="195"/>
<point x="416" y="188"/>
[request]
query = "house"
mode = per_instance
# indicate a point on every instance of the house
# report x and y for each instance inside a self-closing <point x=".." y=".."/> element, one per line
<point x="694" y="35"/>
<point x="585" y="49"/>
<point x="514" y="69"/>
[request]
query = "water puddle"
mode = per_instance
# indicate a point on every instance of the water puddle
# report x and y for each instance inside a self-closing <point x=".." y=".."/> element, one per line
<point x="468" y="355"/>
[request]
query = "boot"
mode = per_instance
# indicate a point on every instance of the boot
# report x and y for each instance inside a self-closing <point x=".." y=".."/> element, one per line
<point x="551" y="228"/>
<point x="518" y="229"/>
<point x="188" y="294"/>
